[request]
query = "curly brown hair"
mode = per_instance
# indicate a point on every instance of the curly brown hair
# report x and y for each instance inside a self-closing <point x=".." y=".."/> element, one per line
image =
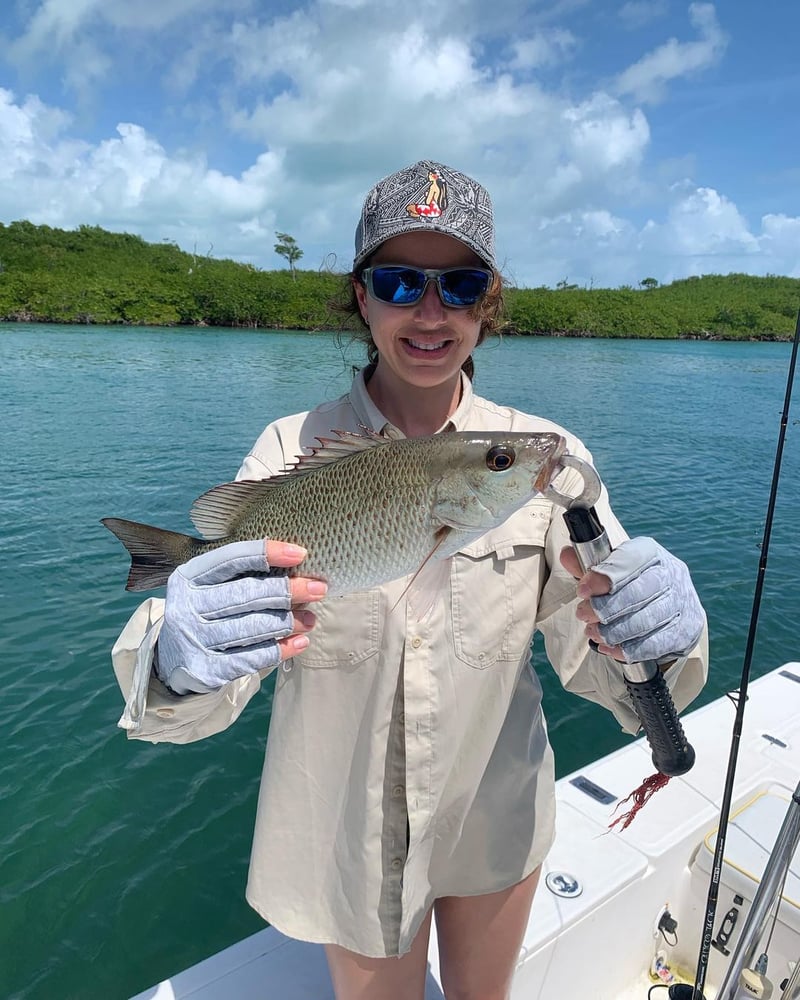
<point x="489" y="310"/>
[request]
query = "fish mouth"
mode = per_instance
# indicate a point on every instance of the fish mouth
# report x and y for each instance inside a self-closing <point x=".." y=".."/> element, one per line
<point x="551" y="466"/>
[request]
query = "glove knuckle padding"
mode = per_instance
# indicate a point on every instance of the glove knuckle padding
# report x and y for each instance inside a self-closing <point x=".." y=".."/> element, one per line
<point x="222" y="564"/>
<point x="247" y="630"/>
<point x="220" y="624"/>
<point x="652" y="609"/>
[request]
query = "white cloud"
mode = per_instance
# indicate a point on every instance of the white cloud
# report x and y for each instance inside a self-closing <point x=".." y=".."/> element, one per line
<point x="601" y="134"/>
<point x="637" y="13"/>
<point x="646" y="79"/>
<point x="59" y="21"/>
<point x="545" y="48"/>
<point x="128" y="183"/>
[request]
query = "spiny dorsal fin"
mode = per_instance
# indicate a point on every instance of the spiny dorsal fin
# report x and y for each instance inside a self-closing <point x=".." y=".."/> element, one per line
<point x="217" y="510"/>
<point x="332" y="449"/>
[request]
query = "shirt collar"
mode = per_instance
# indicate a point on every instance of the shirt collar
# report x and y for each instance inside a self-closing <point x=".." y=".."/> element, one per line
<point x="369" y="414"/>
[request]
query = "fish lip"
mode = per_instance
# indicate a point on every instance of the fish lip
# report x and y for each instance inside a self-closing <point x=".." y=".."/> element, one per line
<point x="551" y="465"/>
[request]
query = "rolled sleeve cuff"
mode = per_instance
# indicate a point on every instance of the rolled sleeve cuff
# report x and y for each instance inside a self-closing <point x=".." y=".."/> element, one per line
<point x="153" y="712"/>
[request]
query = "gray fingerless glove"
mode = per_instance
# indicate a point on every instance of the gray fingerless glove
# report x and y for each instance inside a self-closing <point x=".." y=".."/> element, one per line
<point x="222" y="618"/>
<point x="652" y="611"/>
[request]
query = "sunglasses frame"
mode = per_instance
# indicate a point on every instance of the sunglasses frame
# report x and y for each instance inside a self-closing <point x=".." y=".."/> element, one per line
<point x="431" y="274"/>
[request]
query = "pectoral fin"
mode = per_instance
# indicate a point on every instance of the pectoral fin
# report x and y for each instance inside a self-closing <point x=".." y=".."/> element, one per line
<point x="430" y="580"/>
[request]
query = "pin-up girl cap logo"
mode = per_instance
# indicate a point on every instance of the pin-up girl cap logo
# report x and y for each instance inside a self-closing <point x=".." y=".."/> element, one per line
<point x="427" y="196"/>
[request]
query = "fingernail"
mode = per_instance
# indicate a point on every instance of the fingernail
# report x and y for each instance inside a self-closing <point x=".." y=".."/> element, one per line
<point x="318" y="588"/>
<point x="291" y="551"/>
<point x="299" y="643"/>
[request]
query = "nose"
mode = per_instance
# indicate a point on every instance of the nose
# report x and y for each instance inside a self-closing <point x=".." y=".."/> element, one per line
<point x="430" y="310"/>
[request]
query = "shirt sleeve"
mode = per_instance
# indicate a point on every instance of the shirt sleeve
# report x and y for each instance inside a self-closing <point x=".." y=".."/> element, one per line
<point x="580" y="669"/>
<point x="153" y="712"/>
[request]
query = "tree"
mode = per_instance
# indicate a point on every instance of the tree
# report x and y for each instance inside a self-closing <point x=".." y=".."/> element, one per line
<point x="648" y="283"/>
<point x="287" y="247"/>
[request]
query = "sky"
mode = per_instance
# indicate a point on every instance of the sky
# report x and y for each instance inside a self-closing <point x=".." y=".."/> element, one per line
<point x="619" y="139"/>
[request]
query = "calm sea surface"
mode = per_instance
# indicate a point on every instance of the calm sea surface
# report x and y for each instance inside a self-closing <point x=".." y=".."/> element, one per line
<point x="122" y="862"/>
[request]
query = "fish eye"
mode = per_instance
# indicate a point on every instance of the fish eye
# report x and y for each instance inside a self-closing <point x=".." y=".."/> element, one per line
<point x="500" y="458"/>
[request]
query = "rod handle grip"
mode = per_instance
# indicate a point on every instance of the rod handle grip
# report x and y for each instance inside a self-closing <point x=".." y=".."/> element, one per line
<point x="647" y="687"/>
<point x="653" y="704"/>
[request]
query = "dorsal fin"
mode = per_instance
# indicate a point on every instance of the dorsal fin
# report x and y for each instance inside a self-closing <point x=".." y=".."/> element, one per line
<point x="215" y="512"/>
<point x="332" y="449"/>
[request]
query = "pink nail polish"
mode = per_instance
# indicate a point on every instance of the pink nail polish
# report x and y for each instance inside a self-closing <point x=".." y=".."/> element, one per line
<point x="299" y="643"/>
<point x="317" y="587"/>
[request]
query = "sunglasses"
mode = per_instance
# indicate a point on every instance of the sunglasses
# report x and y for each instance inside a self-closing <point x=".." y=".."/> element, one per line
<point x="400" y="285"/>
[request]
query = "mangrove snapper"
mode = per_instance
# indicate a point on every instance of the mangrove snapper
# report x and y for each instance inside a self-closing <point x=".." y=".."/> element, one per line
<point x="368" y="509"/>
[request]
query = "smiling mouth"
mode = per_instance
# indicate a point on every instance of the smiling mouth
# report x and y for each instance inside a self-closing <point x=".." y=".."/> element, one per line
<point x="420" y="346"/>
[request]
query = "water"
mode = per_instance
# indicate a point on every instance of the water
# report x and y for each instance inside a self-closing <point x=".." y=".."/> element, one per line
<point x="122" y="862"/>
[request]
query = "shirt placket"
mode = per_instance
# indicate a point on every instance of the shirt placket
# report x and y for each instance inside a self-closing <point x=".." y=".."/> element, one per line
<point x="417" y="719"/>
<point x="394" y="841"/>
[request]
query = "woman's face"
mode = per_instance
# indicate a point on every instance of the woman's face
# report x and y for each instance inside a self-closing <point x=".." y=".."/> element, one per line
<point x="424" y="344"/>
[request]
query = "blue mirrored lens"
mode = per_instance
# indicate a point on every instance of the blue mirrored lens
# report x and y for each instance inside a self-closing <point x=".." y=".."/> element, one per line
<point x="463" y="286"/>
<point x="399" y="285"/>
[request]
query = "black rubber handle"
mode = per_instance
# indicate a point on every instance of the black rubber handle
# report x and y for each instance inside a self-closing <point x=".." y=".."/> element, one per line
<point x="651" y="698"/>
<point x="652" y="701"/>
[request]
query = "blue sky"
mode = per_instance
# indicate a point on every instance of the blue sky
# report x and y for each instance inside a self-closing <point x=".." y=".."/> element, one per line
<point x="620" y="139"/>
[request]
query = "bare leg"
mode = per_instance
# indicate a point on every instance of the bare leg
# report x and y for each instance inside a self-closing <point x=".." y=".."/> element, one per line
<point x="356" y="977"/>
<point x="480" y="938"/>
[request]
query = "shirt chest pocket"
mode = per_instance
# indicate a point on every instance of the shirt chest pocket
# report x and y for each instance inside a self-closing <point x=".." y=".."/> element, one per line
<point x="347" y="632"/>
<point x="495" y="586"/>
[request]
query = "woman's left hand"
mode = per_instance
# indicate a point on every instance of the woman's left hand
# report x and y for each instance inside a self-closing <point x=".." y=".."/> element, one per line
<point x="639" y="603"/>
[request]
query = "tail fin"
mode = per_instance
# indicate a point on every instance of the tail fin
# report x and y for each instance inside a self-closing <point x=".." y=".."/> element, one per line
<point x="154" y="552"/>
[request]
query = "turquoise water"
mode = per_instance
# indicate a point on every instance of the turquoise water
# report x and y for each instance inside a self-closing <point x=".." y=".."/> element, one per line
<point x="122" y="862"/>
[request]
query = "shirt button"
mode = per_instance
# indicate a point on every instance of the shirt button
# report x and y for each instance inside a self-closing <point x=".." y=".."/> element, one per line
<point x="165" y="713"/>
<point x="416" y="642"/>
<point x="398" y="790"/>
<point x="397" y="864"/>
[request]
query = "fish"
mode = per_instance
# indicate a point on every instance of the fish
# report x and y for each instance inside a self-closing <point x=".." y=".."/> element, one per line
<point x="368" y="509"/>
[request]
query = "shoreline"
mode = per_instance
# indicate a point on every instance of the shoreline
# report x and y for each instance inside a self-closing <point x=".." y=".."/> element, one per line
<point x="704" y="335"/>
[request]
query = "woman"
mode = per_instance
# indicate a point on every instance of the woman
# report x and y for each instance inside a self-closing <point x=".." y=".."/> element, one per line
<point x="408" y="775"/>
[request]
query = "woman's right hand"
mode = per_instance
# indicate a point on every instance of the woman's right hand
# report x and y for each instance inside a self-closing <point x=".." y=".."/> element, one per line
<point x="227" y="614"/>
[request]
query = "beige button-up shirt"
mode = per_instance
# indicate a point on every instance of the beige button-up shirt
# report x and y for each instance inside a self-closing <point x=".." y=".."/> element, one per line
<point x="406" y="760"/>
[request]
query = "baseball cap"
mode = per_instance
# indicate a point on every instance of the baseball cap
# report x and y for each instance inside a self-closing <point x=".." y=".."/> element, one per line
<point x="427" y="196"/>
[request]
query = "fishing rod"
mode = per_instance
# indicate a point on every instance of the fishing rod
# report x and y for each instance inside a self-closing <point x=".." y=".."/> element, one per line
<point x="727" y="796"/>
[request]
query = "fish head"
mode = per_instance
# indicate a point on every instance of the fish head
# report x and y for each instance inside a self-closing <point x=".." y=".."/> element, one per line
<point x="490" y="475"/>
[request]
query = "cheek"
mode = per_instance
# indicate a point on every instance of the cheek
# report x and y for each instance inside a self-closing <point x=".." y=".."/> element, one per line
<point x="470" y="330"/>
<point x="381" y="317"/>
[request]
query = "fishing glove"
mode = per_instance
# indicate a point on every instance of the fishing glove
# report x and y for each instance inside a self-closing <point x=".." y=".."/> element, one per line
<point x="224" y="612"/>
<point x="652" y="610"/>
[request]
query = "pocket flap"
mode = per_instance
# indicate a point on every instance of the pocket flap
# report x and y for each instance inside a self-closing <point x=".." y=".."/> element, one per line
<point x="526" y="526"/>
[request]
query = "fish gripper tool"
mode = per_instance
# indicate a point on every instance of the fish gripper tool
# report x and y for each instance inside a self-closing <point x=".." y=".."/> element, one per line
<point x="650" y="696"/>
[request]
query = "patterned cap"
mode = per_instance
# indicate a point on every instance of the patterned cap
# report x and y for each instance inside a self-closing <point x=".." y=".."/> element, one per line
<point x="427" y="197"/>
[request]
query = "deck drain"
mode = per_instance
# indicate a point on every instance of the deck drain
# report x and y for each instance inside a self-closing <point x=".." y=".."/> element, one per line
<point x="563" y="884"/>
